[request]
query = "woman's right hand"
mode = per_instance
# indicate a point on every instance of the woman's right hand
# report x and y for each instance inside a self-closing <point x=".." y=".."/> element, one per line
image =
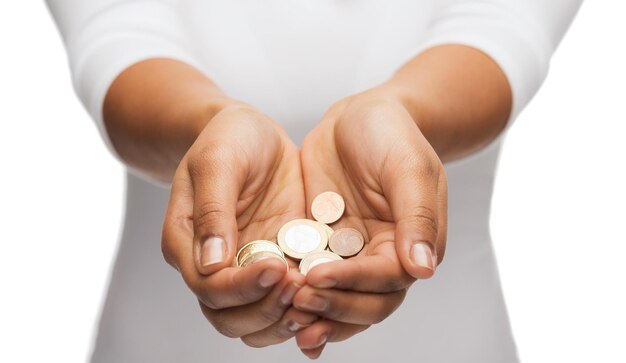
<point x="240" y="181"/>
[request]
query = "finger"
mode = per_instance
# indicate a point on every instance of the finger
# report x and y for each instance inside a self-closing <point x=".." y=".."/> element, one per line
<point x="348" y="306"/>
<point x="315" y="352"/>
<point x="177" y="234"/>
<point x="324" y="331"/>
<point x="442" y="202"/>
<point x="217" y="179"/>
<point x="412" y="184"/>
<point x="380" y="272"/>
<point x="246" y="319"/>
<point x="235" y="286"/>
<point x="292" y="322"/>
<point x="225" y="288"/>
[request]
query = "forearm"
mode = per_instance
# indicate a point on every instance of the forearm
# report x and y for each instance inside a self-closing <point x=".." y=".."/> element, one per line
<point x="154" y="111"/>
<point x="457" y="95"/>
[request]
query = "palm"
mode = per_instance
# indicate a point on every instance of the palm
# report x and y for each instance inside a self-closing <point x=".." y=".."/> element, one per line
<point x="259" y="164"/>
<point x="340" y="157"/>
<point x="263" y="207"/>
<point x="369" y="152"/>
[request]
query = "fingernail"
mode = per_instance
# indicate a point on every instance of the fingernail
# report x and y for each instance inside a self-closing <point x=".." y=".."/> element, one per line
<point x="311" y="355"/>
<point x="323" y="340"/>
<point x="294" y="327"/>
<point x="213" y="250"/>
<point x="316" y="303"/>
<point x="269" y="278"/>
<point x="422" y="254"/>
<point x="286" y="296"/>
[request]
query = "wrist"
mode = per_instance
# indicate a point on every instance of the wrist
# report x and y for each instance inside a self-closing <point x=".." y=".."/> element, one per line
<point x="409" y="99"/>
<point x="208" y="110"/>
<point x="394" y="92"/>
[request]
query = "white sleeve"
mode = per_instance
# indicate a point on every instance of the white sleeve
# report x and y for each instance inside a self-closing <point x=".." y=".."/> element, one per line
<point x="104" y="37"/>
<point x="519" y="35"/>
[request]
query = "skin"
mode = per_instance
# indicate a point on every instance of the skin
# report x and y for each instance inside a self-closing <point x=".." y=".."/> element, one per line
<point x="236" y="175"/>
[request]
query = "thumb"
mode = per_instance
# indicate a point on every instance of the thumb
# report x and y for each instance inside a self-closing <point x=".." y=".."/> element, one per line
<point x="418" y="200"/>
<point x="216" y="187"/>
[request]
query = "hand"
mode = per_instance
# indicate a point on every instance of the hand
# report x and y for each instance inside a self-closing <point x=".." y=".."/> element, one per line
<point x="240" y="181"/>
<point x="368" y="149"/>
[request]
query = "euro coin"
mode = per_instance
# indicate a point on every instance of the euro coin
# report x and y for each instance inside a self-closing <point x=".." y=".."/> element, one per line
<point x="299" y="237"/>
<point x="316" y="258"/>
<point x="328" y="229"/>
<point x="327" y="207"/>
<point x="259" y="256"/>
<point x="258" y="248"/>
<point x="346" y="242"/>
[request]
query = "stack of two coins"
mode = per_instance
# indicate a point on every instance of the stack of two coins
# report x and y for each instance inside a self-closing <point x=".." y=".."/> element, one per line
<point x="258" y="250"/>
<point x="312" y="242"/>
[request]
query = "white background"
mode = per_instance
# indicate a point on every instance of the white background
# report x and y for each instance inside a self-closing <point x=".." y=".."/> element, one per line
<point x="558" y="212"/>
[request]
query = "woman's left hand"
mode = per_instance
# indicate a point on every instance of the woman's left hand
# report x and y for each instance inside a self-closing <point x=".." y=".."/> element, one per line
<point x="368" y="149"/>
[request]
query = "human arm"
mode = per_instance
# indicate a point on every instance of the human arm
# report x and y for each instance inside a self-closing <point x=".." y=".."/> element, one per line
<point x="164" y="118"/>
<point x="477" y="69"/>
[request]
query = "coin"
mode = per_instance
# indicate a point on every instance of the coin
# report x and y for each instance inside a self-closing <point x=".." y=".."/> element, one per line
<point x="299" y="237"/>
<point x="327" y="207"/>
<point x="256" y="257"/>
<point x="329" y="230"/>
<point x="259" y="250"/>
<point x="316" y="258"/>
<point x="346" y="242"/>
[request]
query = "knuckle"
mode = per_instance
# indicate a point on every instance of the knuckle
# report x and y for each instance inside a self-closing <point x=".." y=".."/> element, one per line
<point x="218" y="320"/>
<point x="226" y="331"/>
<point x="208" y="300"/>
<point x="281" y="334"/>
<point x="270" y="314"/>
<point x="204" y="296"/>
<point x="243" y="292"/>
<point x="336" y="311"/>
<point x="424" y="220"/>
<point x="221" y="325"/>
<point x="357" y="276"/>
<point x="210" y="213"/>
<point x="421" y="166"/>
<point x="428" y="167"/>
<point x="393" y="284"/>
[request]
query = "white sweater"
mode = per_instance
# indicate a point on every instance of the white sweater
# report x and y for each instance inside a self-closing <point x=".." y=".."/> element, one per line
<point x="292" y="59"/>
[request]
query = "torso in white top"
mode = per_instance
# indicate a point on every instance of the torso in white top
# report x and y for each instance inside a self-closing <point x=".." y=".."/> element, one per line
<point x="292" y="60"/>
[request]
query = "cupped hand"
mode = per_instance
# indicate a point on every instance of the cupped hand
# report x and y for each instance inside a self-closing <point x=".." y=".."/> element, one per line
<point x="240" y="181"/>
<point x="368" y="149"/>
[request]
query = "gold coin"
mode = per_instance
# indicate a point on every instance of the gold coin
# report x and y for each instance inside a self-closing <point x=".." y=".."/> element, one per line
<point x="327" y="207"/>
<point x="346" y="242"/>
<point x="329" y="230"/>
<point x="256" y="257"/>
<point x="313" y="259"/>
<point x="299" y="237"/>
<point x="255" y="247"/>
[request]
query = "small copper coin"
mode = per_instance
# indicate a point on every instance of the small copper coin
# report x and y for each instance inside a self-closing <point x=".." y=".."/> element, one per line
<point x="299" y="237"/>
<point x="327" y="207"/>
<point x="346" y="242"/>
<point x="316" y="258"/>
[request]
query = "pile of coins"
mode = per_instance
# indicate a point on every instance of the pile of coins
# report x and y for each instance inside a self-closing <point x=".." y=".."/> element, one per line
<point x="311" y="242"/>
